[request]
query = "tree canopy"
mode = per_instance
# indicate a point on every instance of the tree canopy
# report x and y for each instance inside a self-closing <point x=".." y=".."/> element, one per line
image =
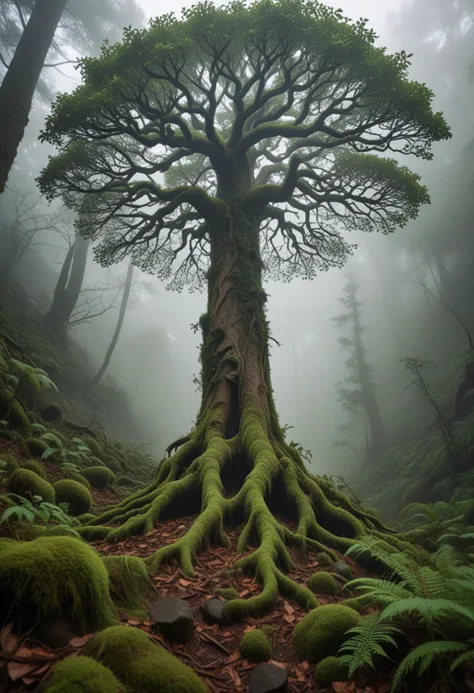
<point x="280" y="111"/>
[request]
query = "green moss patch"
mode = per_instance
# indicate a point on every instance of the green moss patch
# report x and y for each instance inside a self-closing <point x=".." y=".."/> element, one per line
<point x="140" y="664"/>
<point x="321" y="632"/>
<point x="27" y="484"/>
<point x="35" y="446"/>
<point x="99" y="477"/>
<point x="324" y="560"/>
<point x="54" y="576"/>
<point x="255" y="646"/>
<point x="323" y="583"/>
<point x="328" y="670"/>
<point x="129" y="580"/>
<point x="227" y="593"/>
<point x="75" y="494"/>
<point x="75" y="476"/>
<point x="35" y="467"/>
<point x="81" y="675"/>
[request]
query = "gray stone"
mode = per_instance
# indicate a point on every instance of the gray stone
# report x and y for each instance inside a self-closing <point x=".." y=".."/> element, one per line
<point x="268" y="678"/>
<point x="213" y="611"/>
<point x="173" y="618"/>
<point x="342" y="569"/>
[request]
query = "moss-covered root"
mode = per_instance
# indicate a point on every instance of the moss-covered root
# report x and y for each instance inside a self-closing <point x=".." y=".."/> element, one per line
<point x="81" y="675"/>
<point x="54" y="576"/>
<point x="140" y="664"/>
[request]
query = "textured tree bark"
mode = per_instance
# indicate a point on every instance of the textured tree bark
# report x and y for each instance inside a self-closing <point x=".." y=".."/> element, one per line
<point x="118" y="327"/>
<point x="68" y="286"/>
<point x="19" y="83"/>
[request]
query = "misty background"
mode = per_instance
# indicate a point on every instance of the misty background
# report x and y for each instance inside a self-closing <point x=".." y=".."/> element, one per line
<point x="401" y="278"/>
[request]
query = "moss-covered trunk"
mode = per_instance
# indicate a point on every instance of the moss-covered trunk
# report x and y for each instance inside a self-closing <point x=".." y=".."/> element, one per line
<point x="235" y="462"/>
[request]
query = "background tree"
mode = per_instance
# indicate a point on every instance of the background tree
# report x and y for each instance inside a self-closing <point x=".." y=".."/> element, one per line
<point x="284" y="107"/>
<point x="359" y="373"/>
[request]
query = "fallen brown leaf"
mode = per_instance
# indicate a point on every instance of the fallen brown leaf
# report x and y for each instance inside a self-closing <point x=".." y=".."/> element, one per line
<point x="8" y="639"/>
<point x="17" y="670"/>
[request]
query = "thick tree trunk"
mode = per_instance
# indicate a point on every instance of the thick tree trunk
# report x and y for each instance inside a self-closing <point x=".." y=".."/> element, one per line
<point x="69" y="286"/>
<point x="118" y="327"/>
<point x="235" y="467"/>
<point x="19" y="82"/>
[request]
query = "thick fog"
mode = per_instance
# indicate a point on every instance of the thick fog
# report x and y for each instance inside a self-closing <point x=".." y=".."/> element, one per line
<point x="156" y="358"/>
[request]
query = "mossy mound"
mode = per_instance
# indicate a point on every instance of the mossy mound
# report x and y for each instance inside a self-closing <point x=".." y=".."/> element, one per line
<point x="227" y="593"/>
<point x="140" y="664"/>
<point x="94" y="447"/>
<point x="255" y="646"/>
<point x="324" y="560"/>
<point x="51" y="412"/>
<point x="76" y="476"/>
<point x="81" y="675"/>
<point x="99" y="477"/>
<point x="328" y="670"/>
<point x="35" y="446"/>
<point x="321" y="632"/>
<point x="129" y="580"/>
<point x="323" y="583"/>
<point x="113" y="464"/>
<point x="75" y="494"/>
<point x="54" y="576"/>
<point x="14" y="413"/>
<point x="94" y="462"/>
<point x="27" y="484"/>
<point x="35" y="467"/>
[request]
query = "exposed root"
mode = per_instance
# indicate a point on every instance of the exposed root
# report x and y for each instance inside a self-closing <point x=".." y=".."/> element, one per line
<point x="326" y="519"/>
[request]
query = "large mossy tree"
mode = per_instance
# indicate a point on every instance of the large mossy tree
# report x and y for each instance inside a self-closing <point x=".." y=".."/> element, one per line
<point x="235" y="142"/>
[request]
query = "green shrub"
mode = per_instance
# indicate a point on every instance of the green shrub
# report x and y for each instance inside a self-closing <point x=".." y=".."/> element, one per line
<point x="255" y="646"/>
<point x="321" y="632"/>
<point x="27" y="484"/>
<point x="75" y="494"/>
<point x="140" y="664"/>
<point x="55" y="577"/>
<point x="36" y="447"/>
<point x="99" y="477"/>
<point x="328" y="670"/>
<point x="129" y="580"/>
<point x="35" y="467"/>
<point x="81" y="675"/>
<point x="323" y="583"/>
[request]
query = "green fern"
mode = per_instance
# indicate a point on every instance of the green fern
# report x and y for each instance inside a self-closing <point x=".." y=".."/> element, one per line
<point x="367" y="640"/>
<point x="433" y="612"/>
<point x="423" y="657"/>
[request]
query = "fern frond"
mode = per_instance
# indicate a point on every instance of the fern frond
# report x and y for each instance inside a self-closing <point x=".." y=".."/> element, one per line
<point x="431" y="583"/>
<point x="367" y="640"/>
<point x="431" y="611"/>
<point x="380" y="591"/>
<point x="464" y="658"/>
<point x="424" y="656"/>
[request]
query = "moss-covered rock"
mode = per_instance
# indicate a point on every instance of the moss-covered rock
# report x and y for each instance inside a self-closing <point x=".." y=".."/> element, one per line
<point x="321" y="632"/>
<point x="328" y="670"/>
<point x="129" y="580"/>
<point x="140" y="664"/>
<point x="54" y="576"/>
<point x="227" y="593"/>
<point x="255" y="646"/>
<point x="36" y="446"/>
<point x="27" y="484"/>
<point x="323" y="583"/>
<point x="81" y="675"/>
<point x="76" y="476"/>
<point x="75" y="494"/>
<point x="35" y="467"/>
<point x="51" y="412"/>
<point x="94" y="447"/>
<point x="99" y="477"/>
<point x="113" y="464"/>
<point x="94" y="462"/>
<point x="324" y="560"/>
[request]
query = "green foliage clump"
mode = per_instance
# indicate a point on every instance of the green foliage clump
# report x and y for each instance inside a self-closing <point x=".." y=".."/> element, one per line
<point x="75" y="494"/>
<point x="227" y="593"/>
<point x="129" y="580"/>
<point x="55" y="576"/>
<point x="99" y="477"/>
<point x="321" y="632"/>
<point x="324" y="560"/>
<point x="255" y="646"/>
<point x="81" y="675"/>
<point x="140" y="664"/>
<point x="35" y="467"/>
<point x="36" y="446"/>
<point x="367" y="639"/>
<point x="77" y="476"/>
<point x="25" y="483"/>
<point x="323" y="583"/>
<point x="328" y="670"/>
